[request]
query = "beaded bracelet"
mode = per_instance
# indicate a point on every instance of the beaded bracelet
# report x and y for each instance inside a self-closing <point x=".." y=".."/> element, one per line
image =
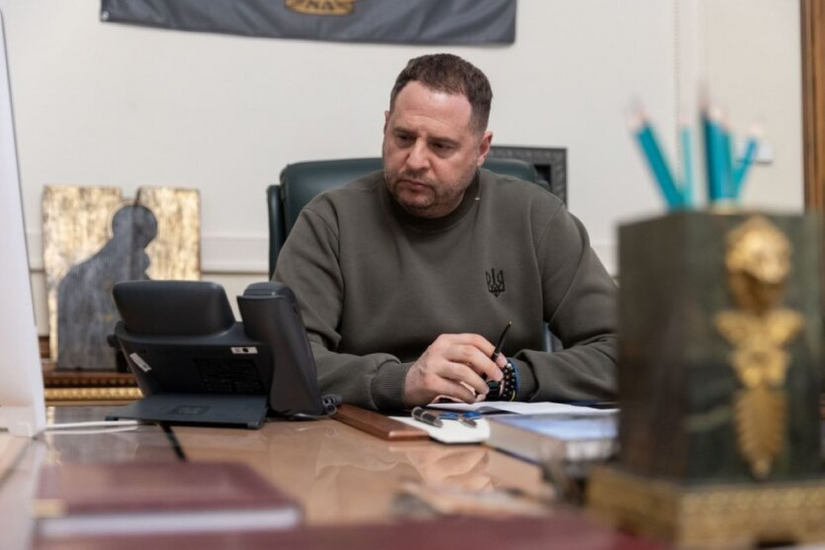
<point x="507" y="389"/>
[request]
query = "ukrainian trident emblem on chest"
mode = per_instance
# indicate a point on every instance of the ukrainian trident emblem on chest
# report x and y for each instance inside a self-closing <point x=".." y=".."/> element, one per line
<point x="495" y="281"/>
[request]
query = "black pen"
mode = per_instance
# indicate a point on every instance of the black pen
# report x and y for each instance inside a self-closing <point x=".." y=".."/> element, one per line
<point x="425" y="416"/>
<point x="501" y="339"/>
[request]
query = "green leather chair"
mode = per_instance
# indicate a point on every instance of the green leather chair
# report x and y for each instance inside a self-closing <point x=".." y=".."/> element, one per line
<point x="300" y="182"/>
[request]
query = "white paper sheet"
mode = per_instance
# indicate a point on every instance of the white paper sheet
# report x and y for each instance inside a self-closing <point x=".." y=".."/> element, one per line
<point x="518" y="407"/>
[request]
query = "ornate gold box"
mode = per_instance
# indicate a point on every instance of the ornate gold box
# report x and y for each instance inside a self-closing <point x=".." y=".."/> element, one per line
<point x="720" y="360"/>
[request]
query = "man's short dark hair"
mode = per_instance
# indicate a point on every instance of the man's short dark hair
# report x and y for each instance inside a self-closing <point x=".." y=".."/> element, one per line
<point x="449" y="73"/>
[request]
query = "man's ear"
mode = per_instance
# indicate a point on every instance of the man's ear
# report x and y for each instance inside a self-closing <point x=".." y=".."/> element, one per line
<point x="386" y="120"/>
<point x="484" y="146"/>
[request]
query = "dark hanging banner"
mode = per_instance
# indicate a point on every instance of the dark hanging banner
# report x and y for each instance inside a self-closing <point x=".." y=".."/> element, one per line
<point x="387" y="21"/>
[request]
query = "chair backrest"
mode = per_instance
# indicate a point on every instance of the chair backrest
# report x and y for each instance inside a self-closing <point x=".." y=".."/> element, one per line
<point x="301" y="181"/>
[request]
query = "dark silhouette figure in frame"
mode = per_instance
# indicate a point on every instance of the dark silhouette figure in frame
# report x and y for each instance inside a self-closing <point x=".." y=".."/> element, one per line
<point x="86" y="312"/>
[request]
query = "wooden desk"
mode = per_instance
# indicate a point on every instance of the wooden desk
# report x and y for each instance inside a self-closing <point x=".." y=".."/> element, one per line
<point x="342" y="477"/>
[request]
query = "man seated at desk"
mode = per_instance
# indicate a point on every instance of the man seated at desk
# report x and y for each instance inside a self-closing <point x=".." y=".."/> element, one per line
<point x="404" y="276"/>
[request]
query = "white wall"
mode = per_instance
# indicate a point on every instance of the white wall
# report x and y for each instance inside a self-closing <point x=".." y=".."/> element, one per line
<point x="751" y="54"/>
<point x="107" y="104"/>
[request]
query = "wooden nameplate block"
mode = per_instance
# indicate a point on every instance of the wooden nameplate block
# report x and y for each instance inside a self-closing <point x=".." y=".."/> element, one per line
<point x="712" y="515"/>
<point x="378" y="425"/>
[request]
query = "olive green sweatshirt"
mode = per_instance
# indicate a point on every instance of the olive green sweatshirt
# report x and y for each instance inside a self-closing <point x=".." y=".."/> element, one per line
<point x="377" y="285"/>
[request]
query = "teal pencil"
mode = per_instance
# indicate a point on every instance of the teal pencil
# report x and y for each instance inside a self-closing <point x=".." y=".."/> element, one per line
<point x="714" y="150"/>
<point x="657" y="163"/>
<point x="742" y="168"/>
<point x="687" y="167"/>
<point x="710" y="171"/>
<point x="726" y="168"/>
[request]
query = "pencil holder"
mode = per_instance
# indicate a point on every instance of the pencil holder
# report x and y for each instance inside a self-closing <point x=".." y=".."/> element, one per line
<point x="720" y="347"/>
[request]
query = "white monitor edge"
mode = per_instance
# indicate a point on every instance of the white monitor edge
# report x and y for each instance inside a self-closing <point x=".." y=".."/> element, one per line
<point x="22" y="405"/>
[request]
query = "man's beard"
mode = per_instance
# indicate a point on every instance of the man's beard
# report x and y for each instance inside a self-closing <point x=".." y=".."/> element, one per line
<point x="440" y="200"/>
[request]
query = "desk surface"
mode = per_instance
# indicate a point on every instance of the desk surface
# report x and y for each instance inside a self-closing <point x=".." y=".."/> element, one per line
<point x="341" y="476"/>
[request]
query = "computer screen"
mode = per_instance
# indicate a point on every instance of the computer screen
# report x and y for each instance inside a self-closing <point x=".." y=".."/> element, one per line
<point x="22" y="408"/>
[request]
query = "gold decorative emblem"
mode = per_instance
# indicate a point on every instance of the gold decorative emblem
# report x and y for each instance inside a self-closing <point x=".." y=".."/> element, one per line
<point x="322" y="7"/>
<point x="758" y="263"/>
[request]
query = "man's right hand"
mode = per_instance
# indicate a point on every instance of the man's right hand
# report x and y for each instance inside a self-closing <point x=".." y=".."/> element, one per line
<point x="452" y="366"/>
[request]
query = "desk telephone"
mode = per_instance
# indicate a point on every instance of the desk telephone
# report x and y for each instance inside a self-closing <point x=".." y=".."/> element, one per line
<point x="195" y="364"/>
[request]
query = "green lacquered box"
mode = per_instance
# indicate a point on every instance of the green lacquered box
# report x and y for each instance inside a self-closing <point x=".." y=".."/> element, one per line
<point x="677" y="387"/>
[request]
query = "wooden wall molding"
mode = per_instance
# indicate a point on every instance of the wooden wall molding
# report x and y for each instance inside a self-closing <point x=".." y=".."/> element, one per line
<point x="813" y="102"/>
